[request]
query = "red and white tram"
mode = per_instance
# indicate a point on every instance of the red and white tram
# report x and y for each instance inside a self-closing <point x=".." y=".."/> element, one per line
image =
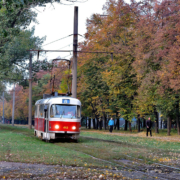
<point x="57" y="117"/>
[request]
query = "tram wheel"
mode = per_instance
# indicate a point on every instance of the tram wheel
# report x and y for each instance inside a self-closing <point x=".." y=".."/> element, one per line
<point x="41" y="137"/>
<point x="49" y="141"/>
<point x="75" y="140"/>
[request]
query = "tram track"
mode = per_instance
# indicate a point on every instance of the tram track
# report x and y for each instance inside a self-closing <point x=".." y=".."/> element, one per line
<point x="119" y="164"/>
<point x="123" y="166"/>
<point x="120" y="142"/>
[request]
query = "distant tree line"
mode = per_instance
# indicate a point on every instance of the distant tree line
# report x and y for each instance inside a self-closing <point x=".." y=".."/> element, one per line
<point x="143" y="76"/>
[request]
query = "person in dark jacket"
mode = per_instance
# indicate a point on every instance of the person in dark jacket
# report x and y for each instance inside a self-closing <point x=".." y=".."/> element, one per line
<point x="111" y="124"/>
<point x="148" y="126"/>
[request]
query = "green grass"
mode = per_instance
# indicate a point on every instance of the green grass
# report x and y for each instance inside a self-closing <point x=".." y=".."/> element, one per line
<point x="138" y="141"/>
<point x="162" y="132"/>
<point x="18" y="144"/>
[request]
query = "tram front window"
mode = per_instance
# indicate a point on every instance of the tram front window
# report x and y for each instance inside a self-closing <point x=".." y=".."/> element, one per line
<point x="63" y="111"/>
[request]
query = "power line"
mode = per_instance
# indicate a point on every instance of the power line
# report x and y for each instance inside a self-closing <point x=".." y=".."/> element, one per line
<point x="57" y="40"/>
<point x="66" y="56"/>
<point x="69" y="44"/>
<point x="62" y="38"/>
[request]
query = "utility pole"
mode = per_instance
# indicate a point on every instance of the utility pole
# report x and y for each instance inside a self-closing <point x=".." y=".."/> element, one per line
<point x="13" y="106"/>
<point x="3" y="107"/>
<point x="75" y="45"/>
<point x="30" y="92"/>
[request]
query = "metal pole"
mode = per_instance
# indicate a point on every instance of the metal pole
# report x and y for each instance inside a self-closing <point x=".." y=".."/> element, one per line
<point x="30" y="92"/>
<point x="13" y="106"/>
<point x="75" y="45"/>
<point x="3" y="107"/>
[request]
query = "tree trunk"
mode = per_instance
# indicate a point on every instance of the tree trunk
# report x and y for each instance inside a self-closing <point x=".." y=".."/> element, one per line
<point x="100" y="124"/>
<point x="125" y="125"/>
<point x="138" y="123"/>
<point x="156" y="128"/>
<point x="168" y="126"/>
<point x="94" y="126"/>
<point x="177" y="115"/>
<point x="178" y="125"/>
<point x="97" y="123"/>
<point x="144" y="123"/>
<point x="156" y="123"/>
<point x="89" y="123"/>
<point x="105" y="120"/>
<point x="130" y="127"/>
<point x="117" y="122"/>
<point x="86" y="122"/>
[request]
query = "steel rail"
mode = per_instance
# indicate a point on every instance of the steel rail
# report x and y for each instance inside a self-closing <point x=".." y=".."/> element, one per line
<point x="120" y="142"/>
<point x="123" y="167"/>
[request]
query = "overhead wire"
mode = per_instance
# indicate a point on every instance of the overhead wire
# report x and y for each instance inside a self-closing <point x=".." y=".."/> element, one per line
<point x="57" y="40"/>
<point x="67" y="46"/>
<point x="46" y="45"/>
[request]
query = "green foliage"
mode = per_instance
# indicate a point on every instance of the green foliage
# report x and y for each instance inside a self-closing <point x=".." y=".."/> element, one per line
<point x="64" y="86"/>
<point x="15" y="39"/>
<point x="144" y="75"/>
<point x="39" y="89"/>
<point x="94" y="90"/>
<point x="14" y="59"/>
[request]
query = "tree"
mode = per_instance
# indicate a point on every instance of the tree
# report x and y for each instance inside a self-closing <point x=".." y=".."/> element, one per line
<point x="15" y="39"/>
<point x="92" y="89"/>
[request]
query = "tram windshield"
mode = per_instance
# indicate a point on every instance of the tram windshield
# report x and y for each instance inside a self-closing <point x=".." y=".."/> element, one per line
<point x="65" y="111"/>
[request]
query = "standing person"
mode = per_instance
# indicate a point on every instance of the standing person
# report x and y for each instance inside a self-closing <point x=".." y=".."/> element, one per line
<point x="148" y="125"/>
<point x="111" y="124"/>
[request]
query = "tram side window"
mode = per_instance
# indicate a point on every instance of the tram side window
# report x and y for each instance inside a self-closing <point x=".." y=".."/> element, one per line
<point x="78" y="111"/>
<point x="36" y="110"/>
<point x="41" y="110"/>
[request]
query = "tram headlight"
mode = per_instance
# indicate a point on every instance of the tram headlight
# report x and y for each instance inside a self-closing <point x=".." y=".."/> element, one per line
<point x="74" y="127"/>
<point x="56" y="126"/>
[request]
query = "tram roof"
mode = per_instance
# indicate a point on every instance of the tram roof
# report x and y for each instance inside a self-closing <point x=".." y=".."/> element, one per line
<point x="58" y="100"/>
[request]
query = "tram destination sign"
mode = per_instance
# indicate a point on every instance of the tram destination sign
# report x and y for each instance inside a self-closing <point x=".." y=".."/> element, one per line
<point x="66" y="101"/>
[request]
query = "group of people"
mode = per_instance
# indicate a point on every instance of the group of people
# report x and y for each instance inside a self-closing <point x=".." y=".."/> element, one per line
<point x="148" y="126"/>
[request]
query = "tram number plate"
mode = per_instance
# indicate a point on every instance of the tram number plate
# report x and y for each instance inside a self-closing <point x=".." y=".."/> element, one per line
<point x="65" y="101"/>
<point x="65" y="127"/>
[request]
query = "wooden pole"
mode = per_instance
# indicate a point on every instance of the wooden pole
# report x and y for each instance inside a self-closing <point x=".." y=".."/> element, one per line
<point x="75" y="45"/>
<point x="30" y="92"/>
<point x="13" y="106"/>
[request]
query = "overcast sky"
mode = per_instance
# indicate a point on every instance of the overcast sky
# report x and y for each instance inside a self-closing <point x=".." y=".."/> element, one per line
<point x="56" y="21"/>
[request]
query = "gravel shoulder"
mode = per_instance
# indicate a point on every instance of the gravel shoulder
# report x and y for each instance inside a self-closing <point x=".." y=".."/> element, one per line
<point x="14" y="170"/>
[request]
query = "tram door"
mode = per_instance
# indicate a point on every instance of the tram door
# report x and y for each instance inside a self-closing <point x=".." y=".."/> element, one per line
<point x="46" y="122"/>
